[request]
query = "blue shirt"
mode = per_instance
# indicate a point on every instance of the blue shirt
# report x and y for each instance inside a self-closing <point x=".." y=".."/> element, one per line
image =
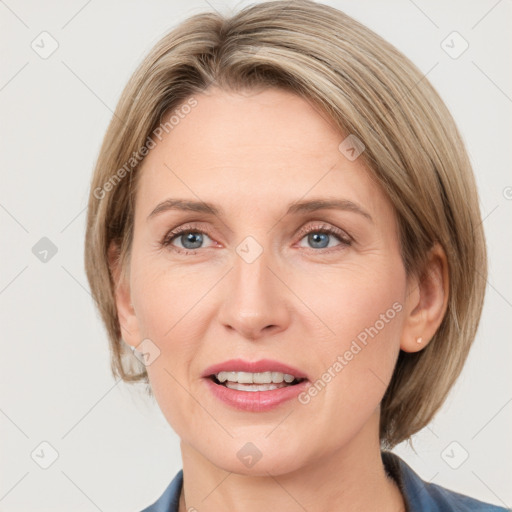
<point x="419" y="496"/>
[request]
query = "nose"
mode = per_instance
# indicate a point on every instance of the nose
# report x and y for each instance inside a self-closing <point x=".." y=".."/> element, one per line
<point x="256" y="298"/>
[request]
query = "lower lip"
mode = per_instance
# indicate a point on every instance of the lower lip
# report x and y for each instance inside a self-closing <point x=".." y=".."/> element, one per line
<point x="255" y="401"/>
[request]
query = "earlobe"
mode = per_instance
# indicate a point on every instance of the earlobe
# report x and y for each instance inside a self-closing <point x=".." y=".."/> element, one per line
<point x="124" y="306"/>
<point x="427" y="302"/>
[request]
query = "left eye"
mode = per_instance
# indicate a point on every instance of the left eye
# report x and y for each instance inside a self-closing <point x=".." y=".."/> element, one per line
<point x="320" y="238"/>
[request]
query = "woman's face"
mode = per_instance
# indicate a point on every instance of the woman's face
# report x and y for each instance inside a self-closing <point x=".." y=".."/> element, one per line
<point x="255" y="281"/>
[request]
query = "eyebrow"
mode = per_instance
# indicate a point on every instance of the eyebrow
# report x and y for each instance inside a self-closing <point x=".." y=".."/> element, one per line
<point x="297" y="207"/>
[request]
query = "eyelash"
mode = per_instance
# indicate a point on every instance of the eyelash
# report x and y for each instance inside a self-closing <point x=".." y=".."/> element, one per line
<point x="345" y="239"/>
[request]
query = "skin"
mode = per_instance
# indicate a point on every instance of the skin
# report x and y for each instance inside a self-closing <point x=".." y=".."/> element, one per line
<point x="302" y="301"/>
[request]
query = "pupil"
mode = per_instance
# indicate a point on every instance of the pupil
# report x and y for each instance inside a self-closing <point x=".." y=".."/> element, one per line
<point x="190" y="238"/>
<point x="314" y="238"/>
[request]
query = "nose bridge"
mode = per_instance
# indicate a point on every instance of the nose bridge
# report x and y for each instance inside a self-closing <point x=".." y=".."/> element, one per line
<point x="256" y="298"/>
<point x="251" y="269"/>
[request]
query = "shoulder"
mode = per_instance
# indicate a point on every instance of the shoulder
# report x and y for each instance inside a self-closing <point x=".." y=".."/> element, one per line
<point x="421" y="496"/>
<point x="451" y="500"/>
<point x="169" y="500"/>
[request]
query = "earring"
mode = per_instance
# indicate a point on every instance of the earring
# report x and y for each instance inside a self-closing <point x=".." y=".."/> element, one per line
<point x="419" y="340"/>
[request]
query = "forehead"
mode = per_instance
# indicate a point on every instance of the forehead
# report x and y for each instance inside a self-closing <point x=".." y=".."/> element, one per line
<point x="252" y="148"/>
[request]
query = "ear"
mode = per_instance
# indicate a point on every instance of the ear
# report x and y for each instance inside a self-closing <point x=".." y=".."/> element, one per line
<point x="125" y="310"/>
<point x="426" y="302"/>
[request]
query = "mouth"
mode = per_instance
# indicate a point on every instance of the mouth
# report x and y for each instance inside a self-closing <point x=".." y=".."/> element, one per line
<point x="251" y="382"/>
<point x="255" y="386"/>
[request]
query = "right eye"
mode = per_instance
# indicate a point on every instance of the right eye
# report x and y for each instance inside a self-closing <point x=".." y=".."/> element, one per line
<point x="190" y="239"/>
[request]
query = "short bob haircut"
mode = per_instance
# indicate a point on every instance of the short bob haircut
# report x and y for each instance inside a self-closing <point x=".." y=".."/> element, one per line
<point x="367" y="88"/>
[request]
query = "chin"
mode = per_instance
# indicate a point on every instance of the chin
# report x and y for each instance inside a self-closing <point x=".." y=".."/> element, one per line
<point x="250" y="461"/>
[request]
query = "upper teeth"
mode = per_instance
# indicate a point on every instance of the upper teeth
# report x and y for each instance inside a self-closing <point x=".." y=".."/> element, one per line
<point x="257" y="378"/>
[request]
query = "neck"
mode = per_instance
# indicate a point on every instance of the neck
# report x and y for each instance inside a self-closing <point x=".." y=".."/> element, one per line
<point x="353" y="478"/>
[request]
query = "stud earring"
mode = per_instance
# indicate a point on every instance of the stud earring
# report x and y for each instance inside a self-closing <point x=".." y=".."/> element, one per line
<point x="419" y="340"/>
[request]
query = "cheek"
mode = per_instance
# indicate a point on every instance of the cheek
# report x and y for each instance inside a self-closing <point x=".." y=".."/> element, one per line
<point x="168" y="310"/>
<point x="163" y="295"/>
<point x="364" y="311"/>
<point x="354" y="300"/>
<point x="170" y="314"/>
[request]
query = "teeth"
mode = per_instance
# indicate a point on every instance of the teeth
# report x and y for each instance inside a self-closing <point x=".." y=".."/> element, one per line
<point x="254" y="387"/>
<point x="277" y="377"/>
<point x="256" y="378"/>
<point x="260" y="378"/>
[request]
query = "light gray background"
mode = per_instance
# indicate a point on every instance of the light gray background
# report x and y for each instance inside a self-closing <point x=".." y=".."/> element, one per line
<point x="116" y="452"/>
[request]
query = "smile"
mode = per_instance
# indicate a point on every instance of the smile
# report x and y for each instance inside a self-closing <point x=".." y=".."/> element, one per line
<point x="261" y="381"/>
<point x="256" y="386"/>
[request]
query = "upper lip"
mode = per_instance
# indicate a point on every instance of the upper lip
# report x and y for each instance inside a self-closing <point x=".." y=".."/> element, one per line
<point x="263" y="365"/>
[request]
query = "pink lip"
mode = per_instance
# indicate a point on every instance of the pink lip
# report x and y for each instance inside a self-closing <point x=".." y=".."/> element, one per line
<point x="263" y="365"/>
<point x="255" y="401"/>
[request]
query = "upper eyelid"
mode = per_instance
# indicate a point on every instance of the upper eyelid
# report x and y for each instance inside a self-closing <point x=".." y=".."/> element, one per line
<point x="333" y="230"/>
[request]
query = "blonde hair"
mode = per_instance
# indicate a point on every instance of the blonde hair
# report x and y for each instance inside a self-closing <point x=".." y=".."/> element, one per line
<point x="367" y="88"/>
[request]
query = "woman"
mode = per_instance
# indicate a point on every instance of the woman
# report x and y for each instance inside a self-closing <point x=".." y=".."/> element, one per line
<point x="284" y="228"/>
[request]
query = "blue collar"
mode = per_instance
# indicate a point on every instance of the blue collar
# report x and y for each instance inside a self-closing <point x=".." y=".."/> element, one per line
<point x="419" y="496"/>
